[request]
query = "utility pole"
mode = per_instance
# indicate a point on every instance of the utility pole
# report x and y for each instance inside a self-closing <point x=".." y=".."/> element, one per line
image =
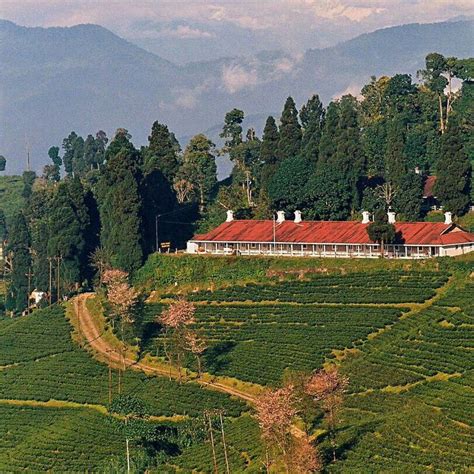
<point x="29" y="275"/>
<point x="211" y="438"/>
<point x="227" y="468"/>
<point x="50" y="293"/>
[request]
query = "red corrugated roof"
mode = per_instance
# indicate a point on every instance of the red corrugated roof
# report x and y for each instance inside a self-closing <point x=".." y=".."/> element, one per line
<point x="345" y="232"/>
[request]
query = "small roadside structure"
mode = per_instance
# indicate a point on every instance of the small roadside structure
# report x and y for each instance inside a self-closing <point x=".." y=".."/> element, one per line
<point x="337" y="239"/>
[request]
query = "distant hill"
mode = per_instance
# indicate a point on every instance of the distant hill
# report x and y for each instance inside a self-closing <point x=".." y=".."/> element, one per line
<point x="85" y="78"/>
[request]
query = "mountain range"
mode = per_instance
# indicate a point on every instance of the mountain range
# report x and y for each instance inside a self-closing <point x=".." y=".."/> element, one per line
<point x="86" y="78"/>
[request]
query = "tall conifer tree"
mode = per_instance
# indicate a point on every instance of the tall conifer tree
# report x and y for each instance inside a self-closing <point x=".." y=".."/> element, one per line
<point x="161" y="153"/>
<point x="19" y="246"/>
<point x="453" y="170"/>
<point x="349" y="159"/>
<point x="312" y="117"/>
<point x="268" y="151"/>
<point x="395" y="160"/>
<point x="120" y="204"/>
<point x="289" y="142"/>
<point x="327" y="144"/>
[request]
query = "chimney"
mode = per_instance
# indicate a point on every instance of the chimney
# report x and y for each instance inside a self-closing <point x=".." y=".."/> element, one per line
<point x="448" y="218"/>
<point x="280" y="217"/>
<point x="365" y="217"/>
<point x="230" y="216"/>
<point x="298" y="217"/>
<point x="391" y="217"/>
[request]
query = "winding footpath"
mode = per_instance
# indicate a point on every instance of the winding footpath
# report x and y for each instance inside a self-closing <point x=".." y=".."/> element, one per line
<point x="94" y="339"/>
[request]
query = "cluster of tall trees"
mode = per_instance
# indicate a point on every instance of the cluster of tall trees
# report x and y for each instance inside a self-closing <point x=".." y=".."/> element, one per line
<point x="366" y="153"/>
<point x="104" y="202"/>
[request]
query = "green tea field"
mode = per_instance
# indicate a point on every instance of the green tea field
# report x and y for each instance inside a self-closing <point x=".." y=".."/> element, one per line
<point x="403" y="336"/>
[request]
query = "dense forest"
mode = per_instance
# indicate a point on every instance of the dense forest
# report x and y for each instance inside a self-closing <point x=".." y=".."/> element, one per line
<point x="105" y="202"/>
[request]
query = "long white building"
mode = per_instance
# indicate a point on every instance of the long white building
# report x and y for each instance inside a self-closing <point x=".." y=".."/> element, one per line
<point x="331" y="238"/>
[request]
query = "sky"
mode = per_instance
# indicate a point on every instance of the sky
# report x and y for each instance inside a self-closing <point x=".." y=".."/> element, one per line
<point x="294" y="25"/>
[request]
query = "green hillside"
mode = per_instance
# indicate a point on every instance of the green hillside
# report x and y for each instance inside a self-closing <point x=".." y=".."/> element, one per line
<point x="401" y="331"/>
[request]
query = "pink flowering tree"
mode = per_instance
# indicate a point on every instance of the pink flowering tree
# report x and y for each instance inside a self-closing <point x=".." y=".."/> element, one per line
<point x="327" y="388"/>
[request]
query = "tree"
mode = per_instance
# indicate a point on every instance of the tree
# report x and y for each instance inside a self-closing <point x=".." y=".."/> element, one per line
<point x="381" y="231"/>
<point x="435" y="66"/>
<point x="452" y="187"/>
<point x="395" y="161"/>
<point x="246" y="156"/>
<point x="19" y="247"/>
<point x="232" y="130"/>
<point x="327" y="194"/>
<point x="312" y="119"/>
<point x="327" y="144"/>
<point x="3" y="227"/>
<point x="327" y="387"/>
<point x="3" y="163"/>
<point x="28" y="181"/>
<point x="275" y="410"/>
<point x="121" y="296"/>
<point x="287" y="184"/>
<point x="175" y="320"/>
<point x="101" y="260"/>
<point x="199" y="168"/>
<point x="268" y="151"/>
<point x="197" y="346"/>
<point x="73" y="157"/>
<point x="66" y="237"/>
<point x="130" y="421"/>
<point x="161" y="154"/>
<point x="349" y="159"/>
<point x="304" y="457"/>
<point x="289" y="142"/>
<point x="409" y="198"/>
<point x="120" y="204"/>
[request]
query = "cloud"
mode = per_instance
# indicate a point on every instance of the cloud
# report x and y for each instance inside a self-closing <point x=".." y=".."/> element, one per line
<point x="189" y="98"/>
<point x="236" y="77"/>
<point x="185" y="32"/>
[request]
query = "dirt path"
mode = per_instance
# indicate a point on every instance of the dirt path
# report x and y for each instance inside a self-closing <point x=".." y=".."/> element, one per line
<point x="91" y="333"/>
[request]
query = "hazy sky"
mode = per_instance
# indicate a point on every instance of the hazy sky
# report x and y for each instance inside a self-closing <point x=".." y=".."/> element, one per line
<point x="293" y="22"/>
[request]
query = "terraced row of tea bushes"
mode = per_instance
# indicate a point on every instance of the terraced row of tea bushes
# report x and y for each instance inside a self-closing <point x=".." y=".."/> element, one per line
<point x="435" y="341"/>
<point x="377" y="287"/>
<point x="42" y="334"/>
<point x="414" y="438"/>
<point x="258" y="343"/>
<point x="424" y="424"/>
<point x="460" y="297"/>
<point x="69" y="373"/>
<point x="40" y="439"/>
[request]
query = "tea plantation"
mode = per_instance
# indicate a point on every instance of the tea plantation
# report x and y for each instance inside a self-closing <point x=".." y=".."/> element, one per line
<point x="404" y="336"/>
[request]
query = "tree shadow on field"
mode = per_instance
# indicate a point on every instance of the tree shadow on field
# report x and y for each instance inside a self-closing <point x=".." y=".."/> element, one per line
<point x="347" y="439"/>
<point x="149" y="331"/>
<point x="217" y="357"/>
